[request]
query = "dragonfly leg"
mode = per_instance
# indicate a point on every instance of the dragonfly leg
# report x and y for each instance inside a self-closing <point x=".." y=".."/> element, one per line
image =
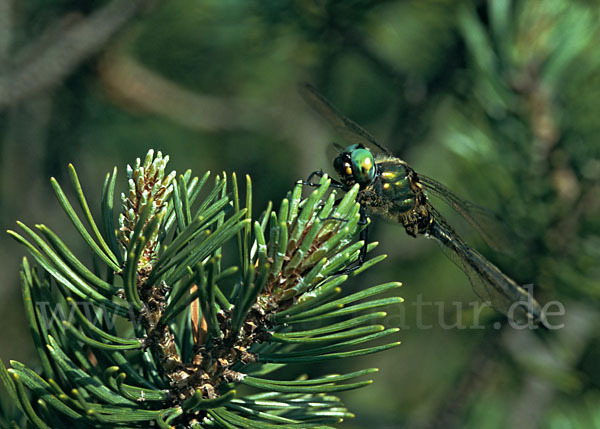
<point x="320" y="173"/>
<point x="339" y="219"/>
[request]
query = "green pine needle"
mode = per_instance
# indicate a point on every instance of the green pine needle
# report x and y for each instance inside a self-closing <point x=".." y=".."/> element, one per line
<point x="169" y="332"/>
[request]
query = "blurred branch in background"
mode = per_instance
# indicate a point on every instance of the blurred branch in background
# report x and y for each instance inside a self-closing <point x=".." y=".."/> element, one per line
<point x="420" y="94"/>
<point x="550" y="365"/>
<point x="48" y="60"/>
<point x="135" y="86"/>
<point x="139" y="89"/>
<point x="476" y="371"/>
<point x="6" y="29"/>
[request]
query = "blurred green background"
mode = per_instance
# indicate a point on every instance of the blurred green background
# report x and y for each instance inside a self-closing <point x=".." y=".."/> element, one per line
<point x="499" y="100"/>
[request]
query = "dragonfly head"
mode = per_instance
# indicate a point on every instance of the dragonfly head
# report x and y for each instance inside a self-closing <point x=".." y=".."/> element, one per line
<point x="355" y="165"/>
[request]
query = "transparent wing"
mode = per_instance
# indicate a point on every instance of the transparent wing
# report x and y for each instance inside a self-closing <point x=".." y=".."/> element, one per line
<point x="347" y="128"/>
<point x="490" y="284"/>
<point x="486" y="223"/>
<point x="333" y="150"/>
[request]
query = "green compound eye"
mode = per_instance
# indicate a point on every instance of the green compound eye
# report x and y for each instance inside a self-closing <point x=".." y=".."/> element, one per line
<point x="363" y="164"/>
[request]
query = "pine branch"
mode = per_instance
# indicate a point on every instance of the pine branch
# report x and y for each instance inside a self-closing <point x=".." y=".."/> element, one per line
<point x="170" y="335"/>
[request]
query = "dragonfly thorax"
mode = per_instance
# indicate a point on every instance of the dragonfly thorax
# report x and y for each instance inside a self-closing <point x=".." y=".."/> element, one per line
<point x="396" y="194"/>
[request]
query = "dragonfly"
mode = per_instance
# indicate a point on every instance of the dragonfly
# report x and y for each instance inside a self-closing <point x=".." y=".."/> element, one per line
<point x="392" y="189"/>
